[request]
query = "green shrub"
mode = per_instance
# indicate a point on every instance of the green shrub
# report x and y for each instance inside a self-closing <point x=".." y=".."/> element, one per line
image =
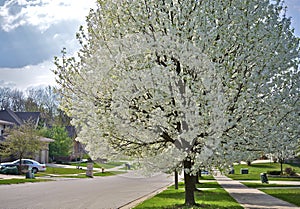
<point x="289" y="171"/>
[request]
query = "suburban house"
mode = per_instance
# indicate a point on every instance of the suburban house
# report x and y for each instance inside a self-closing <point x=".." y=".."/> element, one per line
<point x="4" y="124"/>
<point x="10" y="118"/>
<point x="78" y="150"/>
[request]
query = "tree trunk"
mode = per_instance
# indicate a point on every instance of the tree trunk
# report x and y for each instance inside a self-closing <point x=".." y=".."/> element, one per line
<point x="197" y="177"/>
<point x="20" y="165"/>
<point x="176" y="179"/>
<point x="281" y="168"/>
<point x="189" y="181"/>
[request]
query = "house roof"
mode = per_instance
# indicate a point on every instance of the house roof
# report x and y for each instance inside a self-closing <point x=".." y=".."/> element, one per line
<point x="28" y="116"/>
<point x="44" y="139"/>
<point x="10" y="116"/>
<point x="18" y="118"/>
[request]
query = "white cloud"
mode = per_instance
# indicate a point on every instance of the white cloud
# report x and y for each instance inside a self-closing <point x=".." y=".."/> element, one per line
<point x="48" y="24"/>
<point x="28" y="76"/>
<point x="42" y="13"/>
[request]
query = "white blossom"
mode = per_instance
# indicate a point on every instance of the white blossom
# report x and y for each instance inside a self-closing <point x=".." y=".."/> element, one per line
<point x="172" y="81"/>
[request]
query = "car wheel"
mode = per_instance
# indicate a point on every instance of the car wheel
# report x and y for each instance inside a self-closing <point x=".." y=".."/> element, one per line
<point x="34" y="170"/>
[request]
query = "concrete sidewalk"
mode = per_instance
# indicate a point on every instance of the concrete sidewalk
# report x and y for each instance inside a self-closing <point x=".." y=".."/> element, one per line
<point x="251" y="198"/>
<point x="117" y="168"/>
<point x="6" y="176"/>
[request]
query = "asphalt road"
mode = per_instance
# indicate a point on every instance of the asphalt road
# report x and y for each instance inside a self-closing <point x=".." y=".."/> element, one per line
<point x="95" y="193"/>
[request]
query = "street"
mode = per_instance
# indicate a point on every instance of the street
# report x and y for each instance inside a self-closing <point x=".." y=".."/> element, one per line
<point x="95" y="193"/>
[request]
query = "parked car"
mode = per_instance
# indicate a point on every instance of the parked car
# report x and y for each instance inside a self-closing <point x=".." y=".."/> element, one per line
<point x="33" y="165"/>
<point x="204" y="172"/>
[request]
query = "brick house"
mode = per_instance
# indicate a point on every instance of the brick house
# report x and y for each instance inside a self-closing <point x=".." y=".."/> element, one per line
<point x="78" y="150"/>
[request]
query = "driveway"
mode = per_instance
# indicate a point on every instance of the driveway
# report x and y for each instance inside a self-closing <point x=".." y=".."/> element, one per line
<point x="95" y="193"/>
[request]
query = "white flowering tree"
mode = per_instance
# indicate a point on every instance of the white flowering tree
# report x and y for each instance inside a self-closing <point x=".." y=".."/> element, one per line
<point x="273" y="128"/>
<point x="277" y="132"/>
<point x="172" y="82"/>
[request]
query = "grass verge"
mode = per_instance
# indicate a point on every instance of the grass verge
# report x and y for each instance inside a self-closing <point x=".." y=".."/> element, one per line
<point x="100" y="165"/>
<point x="73" y="173"/>
<point x="108" y="173"/>
<point x="212" y="197"/>
<point x="60" y="171"/>
<point x="289" y="195"/>
<point x="20" y="181"/>
<point x="206" y="177"/>
<point x="260" y="185"/>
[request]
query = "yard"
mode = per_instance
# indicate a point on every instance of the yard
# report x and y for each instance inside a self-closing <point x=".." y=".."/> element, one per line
<point x="287" y="192"/>
<point x="67" y="172"/>
<point x="255" y="170"/>
<point x="213" y="196"/>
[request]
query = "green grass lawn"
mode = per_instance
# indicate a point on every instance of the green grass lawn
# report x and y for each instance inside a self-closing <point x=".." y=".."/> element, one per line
<point x="214" y="197"/>
<point x="260" y="185"/>
<point x="206" y="177"/>
<point x="73" y="172"/>
<point x="20" y="181"/>
<point x="83" y="175"/>
<point x="256" y="169"/>
<point x="60" y="171"/>
<point x="290" y="195"/>
<point x="100" y="165"/>
<point x="108" y="173"/>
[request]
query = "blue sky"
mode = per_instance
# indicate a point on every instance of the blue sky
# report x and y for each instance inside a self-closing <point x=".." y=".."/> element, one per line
<point x="32" y="32"/>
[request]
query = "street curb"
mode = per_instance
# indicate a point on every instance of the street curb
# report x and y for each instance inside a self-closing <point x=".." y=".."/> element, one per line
<point x="143" y="198"/>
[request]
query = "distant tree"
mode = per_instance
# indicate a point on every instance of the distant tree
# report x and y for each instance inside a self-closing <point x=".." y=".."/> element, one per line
<point x="17" y="100"/>
<point x="22" y="141"/>
<point x="273" y="128"/>
<point x="4" y="103"/>
<point x="31" y="105"/>
<point x="45" y="100"/>
<point x="61" y="119"/>
<point x="12" y="99"/>
<point x="62" y="146"/>
<point x="280" y="126"/>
